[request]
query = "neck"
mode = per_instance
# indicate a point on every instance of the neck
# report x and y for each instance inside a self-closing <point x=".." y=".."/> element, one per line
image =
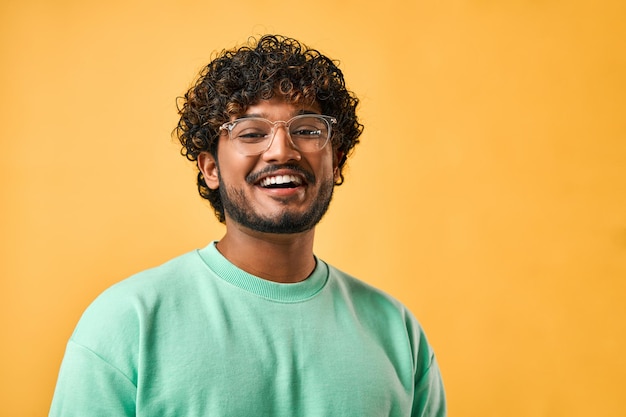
<point x="274" y="257"/>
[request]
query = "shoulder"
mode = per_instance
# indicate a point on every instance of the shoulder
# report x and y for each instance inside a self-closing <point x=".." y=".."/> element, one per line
<point x="170" y="275"/>
<point x="122" y="305"/>
<point x="369" y="302"/>
<point x="112" y="325"/>
<point x="383" y="314"/>
<point x="361" y="292"/>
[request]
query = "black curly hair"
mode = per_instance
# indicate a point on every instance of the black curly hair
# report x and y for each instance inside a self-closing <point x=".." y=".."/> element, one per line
<point x="239" y="78"/>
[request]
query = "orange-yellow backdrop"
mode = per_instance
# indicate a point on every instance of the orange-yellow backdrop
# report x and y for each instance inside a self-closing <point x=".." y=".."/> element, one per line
<point x="489" y="191"/>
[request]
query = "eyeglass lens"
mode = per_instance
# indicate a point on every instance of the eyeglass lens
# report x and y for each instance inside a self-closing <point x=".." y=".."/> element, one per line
<point x="254" y="135"/>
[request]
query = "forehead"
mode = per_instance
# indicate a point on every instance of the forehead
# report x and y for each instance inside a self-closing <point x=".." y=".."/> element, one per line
<point x="277" y="108"/>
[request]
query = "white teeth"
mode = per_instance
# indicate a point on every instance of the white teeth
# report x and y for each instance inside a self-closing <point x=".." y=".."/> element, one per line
<point x="280" y="179"/>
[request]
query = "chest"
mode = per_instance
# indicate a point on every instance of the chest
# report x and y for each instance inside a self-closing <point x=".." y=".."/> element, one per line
<point x="275" y="360"/>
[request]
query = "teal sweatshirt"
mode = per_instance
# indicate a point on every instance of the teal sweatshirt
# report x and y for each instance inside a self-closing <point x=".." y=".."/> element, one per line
<point x="197" y="336"/>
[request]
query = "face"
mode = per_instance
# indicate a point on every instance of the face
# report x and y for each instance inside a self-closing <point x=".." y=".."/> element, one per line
<point x="247" y="184"/>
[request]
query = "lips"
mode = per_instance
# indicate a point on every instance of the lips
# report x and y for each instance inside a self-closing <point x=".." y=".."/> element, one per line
<point x="281" y="177"/>
<point x="281" y="181"/>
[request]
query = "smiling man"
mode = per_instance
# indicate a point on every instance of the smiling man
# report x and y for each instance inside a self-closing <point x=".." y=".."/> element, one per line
<point x="254" y="324"/>
<point x="288" y="168"/>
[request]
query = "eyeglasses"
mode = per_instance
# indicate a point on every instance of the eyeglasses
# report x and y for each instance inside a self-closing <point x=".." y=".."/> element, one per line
<point x="254" y="135"/>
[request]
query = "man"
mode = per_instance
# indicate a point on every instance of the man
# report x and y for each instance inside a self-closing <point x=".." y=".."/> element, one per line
<point x="254" y="324"/>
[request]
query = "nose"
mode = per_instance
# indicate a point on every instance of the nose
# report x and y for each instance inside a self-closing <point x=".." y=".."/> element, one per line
<point x="281" y="149"/>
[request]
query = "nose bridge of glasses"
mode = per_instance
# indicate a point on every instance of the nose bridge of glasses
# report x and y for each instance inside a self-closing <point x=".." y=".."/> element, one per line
<point x="274" y="131"/>
<point x="279" y="123"/>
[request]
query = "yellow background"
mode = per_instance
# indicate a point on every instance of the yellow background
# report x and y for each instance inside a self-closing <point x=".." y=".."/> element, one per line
<point x="488" y="194"/>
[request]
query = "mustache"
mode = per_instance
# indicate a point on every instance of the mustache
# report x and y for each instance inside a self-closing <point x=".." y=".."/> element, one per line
<point x="254" y="176"/>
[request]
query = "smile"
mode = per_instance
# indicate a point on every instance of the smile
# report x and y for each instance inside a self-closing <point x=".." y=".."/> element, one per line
<point x="281" y="181"/>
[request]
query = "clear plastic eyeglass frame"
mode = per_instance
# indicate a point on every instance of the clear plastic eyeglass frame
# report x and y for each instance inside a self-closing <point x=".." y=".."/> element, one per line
<point x="254" y="135"/>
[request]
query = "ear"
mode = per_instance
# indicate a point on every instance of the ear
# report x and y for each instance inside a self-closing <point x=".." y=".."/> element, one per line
<point x="207" y="164"/>
<point x="338" y="156"/>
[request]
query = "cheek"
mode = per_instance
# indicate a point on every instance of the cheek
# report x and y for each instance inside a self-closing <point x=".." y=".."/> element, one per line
<point x="232" y="165"/>
<point x="328" y="164"/>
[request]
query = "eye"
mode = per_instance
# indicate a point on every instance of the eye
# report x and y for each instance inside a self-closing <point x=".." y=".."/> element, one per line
<point x="251" y="131"/>
<point x="308" y="128"/>
<point x="306" y="132"/>
<point x="251" y="135"/>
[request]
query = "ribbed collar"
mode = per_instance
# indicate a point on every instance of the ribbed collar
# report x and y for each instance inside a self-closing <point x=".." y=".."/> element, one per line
<point x="286" y="293"/>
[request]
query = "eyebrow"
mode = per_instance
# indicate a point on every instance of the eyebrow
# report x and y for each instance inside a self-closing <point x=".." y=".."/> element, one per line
<point x="264" y="115"/>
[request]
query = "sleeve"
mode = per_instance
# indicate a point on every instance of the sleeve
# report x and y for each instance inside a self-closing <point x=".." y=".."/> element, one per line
<point x="429" y="396"/>
<point x="89" y="386"/>
<point x="429" y="399"/>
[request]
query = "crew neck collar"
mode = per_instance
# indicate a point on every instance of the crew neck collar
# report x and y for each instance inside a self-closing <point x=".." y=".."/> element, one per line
<point x="280" y="292"/>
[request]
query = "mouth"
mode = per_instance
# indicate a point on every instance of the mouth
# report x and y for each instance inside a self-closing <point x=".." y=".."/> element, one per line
<point x="281" y="181"/>
<point x="281" y="177"/>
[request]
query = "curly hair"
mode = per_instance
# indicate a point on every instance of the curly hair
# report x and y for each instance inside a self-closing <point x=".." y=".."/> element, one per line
<point x="239" y="78"/>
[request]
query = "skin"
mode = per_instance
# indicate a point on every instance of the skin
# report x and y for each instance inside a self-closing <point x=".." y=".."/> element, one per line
<point x="279" y="257"/>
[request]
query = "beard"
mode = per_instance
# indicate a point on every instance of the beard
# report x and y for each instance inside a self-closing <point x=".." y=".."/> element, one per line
<point x="239" y="208"/>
